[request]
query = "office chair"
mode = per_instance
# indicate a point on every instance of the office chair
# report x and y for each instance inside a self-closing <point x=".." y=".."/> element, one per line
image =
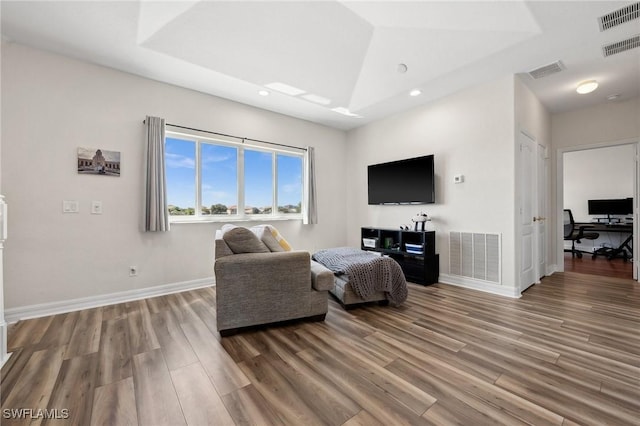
<point x="575" y="233"/>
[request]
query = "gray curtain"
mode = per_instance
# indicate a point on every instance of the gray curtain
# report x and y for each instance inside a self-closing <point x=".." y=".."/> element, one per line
<point x="156" y="215"/>
<point x="311" y="208"/>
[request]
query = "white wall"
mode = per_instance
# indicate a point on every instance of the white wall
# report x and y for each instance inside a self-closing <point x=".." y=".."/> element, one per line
<point x="51" y="106"/>
<point x="605" y="122"/>
<point x="469" y="133"/>
<point x="597" y="174"/>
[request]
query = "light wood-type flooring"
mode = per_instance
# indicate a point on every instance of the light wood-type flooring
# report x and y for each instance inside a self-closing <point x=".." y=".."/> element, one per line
<point x="566" y="353"/>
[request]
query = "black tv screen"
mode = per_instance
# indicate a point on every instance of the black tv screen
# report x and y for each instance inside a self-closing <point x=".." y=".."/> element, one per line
<point x="615" y="206"/>
<point x="409" y="181"/>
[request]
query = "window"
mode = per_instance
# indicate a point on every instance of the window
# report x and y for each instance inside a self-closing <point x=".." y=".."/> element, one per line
<point x="210" y="179"/>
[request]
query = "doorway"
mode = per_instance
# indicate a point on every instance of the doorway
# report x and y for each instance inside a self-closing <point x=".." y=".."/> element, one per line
<point x="592" y="175"/>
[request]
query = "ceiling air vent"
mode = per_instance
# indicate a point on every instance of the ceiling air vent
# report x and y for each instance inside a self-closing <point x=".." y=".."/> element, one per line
<point x="621" y="46"/>
<point x="620" y="16"/>
<point x="546" y="70"/>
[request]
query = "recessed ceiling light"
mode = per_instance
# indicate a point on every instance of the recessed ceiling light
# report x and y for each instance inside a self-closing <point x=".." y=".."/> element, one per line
<point x="317" y="99"/>
<point x="587" y="87"/>
<point x="415" y="92"/>
<point x="345" y="111"/>
<point x="285" y="88"/>
<point x="263" y="92"/>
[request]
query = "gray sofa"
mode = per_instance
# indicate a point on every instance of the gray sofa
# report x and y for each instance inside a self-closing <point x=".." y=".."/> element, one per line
<point x="261" y="288"/>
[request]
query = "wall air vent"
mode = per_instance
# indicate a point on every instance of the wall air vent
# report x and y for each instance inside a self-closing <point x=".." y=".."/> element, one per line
<point x="620" y="16"/>
<point x="546" y="70"/>
<point x="475" y="255"/>
<point x="621" y="46"/>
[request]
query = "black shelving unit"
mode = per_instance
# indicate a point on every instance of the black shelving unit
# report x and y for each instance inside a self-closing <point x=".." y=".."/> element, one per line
<point x="419" y="261"/>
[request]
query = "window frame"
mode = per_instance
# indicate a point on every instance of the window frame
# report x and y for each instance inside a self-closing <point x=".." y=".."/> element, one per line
<point x="240" y="215"/>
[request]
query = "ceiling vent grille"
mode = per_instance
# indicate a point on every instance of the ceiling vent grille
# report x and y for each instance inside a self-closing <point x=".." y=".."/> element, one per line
<point x="546" y="70"/>
<point x="621" y="46"/>
<point x="620" y="16"/>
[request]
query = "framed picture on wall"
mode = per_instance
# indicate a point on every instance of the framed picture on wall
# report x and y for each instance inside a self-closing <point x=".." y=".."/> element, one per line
<point x="96" y="161"/>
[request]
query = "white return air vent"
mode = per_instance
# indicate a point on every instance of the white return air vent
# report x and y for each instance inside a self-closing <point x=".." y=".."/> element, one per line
<point x="621" y="46"/>
<point x="475" y="255"/>
<point x="546" y="70"/>
<point x="620" y="16"/>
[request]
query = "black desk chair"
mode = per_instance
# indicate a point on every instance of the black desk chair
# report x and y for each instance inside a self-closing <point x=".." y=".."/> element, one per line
<point x="575" y="233"/>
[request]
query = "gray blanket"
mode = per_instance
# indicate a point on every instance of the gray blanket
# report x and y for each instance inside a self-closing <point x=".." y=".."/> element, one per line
<point x="367" y="272"/>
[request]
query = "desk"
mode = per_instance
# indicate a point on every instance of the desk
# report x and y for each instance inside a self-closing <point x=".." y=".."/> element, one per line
<point x="622" y="249"/>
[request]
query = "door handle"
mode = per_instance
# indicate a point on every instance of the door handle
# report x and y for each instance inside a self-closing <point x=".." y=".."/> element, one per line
<point x="539" y="218"/>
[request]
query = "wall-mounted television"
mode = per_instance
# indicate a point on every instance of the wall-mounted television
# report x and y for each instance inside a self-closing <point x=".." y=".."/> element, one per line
<point x="409" y="181"/>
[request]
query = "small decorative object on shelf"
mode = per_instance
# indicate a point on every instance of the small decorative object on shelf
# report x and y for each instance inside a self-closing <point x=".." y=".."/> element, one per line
<point x="420" y="218"/>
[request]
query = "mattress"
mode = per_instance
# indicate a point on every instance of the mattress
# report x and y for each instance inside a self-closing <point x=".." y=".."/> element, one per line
<point x="346" y="295"/>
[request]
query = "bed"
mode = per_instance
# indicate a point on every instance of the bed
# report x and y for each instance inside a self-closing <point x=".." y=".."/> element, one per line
<point x="362" y="276"/>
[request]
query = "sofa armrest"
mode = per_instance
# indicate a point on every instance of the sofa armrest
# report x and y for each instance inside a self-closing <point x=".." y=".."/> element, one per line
<point x="321" y="278"/>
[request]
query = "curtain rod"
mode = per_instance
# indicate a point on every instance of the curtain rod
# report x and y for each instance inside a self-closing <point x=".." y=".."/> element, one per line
<point x="231" y="136"/>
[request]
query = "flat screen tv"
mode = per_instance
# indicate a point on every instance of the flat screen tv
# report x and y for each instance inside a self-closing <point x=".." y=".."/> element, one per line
<point x="619" y="206"/>
<point x="409" y="181"/>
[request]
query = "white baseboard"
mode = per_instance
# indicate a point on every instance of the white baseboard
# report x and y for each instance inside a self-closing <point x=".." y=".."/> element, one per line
<point x="480" y="285"/>
<point x="44" y="309"/>
<point x="4" y="356"/>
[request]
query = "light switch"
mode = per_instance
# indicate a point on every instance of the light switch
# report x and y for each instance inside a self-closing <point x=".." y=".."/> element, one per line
<point x="69" y="206"/>
<point x="96" y="207"/>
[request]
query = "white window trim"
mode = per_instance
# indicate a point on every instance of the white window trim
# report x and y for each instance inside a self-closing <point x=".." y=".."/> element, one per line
<point x="241" y="216"/>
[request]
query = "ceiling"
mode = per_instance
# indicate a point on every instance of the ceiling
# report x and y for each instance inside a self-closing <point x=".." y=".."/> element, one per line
<point x="352" y="62"/>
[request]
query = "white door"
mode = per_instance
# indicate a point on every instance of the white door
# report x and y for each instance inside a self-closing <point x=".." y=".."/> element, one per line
<point x="540" y="220"/>
<point x="528" y="209"/>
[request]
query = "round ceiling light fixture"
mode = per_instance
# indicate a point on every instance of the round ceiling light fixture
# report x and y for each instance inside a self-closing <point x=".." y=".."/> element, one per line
<point x="263" y="92"/>
<point x="415" y="92"/>
<point x="587" y="86"/>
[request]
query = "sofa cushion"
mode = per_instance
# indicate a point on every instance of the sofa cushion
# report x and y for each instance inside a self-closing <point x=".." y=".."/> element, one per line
<point x="242" y="240"/>
<point x="270" y="236"/>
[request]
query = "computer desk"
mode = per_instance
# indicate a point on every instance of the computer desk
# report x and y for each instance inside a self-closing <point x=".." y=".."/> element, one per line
<point x="622" y="249"/>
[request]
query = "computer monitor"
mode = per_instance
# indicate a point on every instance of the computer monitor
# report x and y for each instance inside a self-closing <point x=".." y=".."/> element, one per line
<point x="621" y="206"/>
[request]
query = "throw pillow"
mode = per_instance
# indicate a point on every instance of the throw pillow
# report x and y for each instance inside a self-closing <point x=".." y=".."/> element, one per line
<point x="270" y="236"/>
<point x="242" y="240"/>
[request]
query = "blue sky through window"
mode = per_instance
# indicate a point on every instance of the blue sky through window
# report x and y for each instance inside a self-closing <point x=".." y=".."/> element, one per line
<point x="219" y="169"/>
<point x="180" y="161"/>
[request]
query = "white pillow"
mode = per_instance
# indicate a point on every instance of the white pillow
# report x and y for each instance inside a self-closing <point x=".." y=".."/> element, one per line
<point x="270" y="236"/>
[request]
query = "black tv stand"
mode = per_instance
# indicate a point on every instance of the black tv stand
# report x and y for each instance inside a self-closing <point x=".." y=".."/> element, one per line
<point x="419" y="261"/>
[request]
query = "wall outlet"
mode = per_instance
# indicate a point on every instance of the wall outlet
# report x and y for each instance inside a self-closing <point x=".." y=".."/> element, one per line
<point x="96" y="207"/>
<point x="133" y="271"/>
<point x="69" y="206"/>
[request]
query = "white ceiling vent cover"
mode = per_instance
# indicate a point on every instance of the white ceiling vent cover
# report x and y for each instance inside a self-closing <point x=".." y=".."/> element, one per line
<point x="546" y="70"/>
<point x="621" y="46"/>
<point x="620" y="16"/>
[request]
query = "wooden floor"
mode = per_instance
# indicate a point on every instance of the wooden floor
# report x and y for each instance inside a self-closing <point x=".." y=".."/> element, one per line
<point x="617" y="268"/>
<point x="566" y="353"/>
